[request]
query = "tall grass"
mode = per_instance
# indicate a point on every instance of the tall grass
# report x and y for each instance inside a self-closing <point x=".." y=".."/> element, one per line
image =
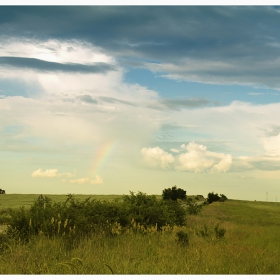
<point x="225" y="238"/>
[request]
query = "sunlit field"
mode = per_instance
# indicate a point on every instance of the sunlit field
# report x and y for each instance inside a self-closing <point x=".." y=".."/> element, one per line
<point x="18" y="200"/>
<point x="231" y="237"/>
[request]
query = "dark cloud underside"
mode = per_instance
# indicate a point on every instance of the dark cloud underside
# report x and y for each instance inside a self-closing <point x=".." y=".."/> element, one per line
<point x="46" y="66"/>
<point x="209" y="44"/>
<point x="115" y="100"/>
<point x="87" y="99"/>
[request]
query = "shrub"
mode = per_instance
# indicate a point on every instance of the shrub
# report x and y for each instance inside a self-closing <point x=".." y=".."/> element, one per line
<point x="215" y="197"/>
<point x="73" y="218"/>
<point x="219" y="232"/>
<point x="193" y="208"/>
<point x="182" y="237"/>
<point x="174" y="194"/>
<point x="223" y="198"/>
<point x="147" y="210"/>
<point x="205" y="232"/>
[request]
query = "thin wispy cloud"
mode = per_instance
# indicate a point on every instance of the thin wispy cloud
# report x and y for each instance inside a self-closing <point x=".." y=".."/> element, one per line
<point x="47" y="66"/>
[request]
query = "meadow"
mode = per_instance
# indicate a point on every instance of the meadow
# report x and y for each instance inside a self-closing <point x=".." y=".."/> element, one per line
<point x="231" y="237"/>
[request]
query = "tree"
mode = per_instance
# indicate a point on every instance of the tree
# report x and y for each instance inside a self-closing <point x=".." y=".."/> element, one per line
<point x="174" y="193"/>
<point x="223" y="198"/>
<point x="215" y="197"/>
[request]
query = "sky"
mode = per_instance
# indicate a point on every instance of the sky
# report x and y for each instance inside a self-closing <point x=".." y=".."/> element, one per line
<point x="112" y="99"/>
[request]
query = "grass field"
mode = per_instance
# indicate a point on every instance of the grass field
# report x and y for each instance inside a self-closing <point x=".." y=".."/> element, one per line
<point x="250" y="245"/>
<point x="18" y="200"/>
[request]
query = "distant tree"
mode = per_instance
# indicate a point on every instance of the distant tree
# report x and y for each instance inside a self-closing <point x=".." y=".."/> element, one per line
<point x="212" y="197"/>
<point x="174" y="193"/>
<point x="2" y="191"/>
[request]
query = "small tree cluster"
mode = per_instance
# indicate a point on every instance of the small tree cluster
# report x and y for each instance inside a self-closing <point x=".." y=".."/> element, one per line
<point x="212" y="197"/>
<point x="174" y="193"/>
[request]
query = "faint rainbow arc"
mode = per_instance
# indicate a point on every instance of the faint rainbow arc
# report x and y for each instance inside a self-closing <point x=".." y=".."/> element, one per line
<point x="101" y="156"/>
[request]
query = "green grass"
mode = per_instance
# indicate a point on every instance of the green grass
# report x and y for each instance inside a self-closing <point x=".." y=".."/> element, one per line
<point x="26" y="200"/>
<point x="250" y="246"/>
<point x="13" y="201"/>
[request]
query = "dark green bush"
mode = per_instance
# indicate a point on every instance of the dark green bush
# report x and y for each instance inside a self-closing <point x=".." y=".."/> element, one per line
<point x="219" y="232"/>
<point x="174" y="193"/>
<point x="182" y="237"/>
<point x="215" y="197"/>
<point x="74" y="218"/>
<point x="147" y="210"/>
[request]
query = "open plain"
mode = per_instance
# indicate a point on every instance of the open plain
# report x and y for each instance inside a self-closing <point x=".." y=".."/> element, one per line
<point x="249" y="245"/>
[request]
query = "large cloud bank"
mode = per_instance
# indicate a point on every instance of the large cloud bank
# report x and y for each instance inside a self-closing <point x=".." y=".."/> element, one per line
<point x="198" y="159"/>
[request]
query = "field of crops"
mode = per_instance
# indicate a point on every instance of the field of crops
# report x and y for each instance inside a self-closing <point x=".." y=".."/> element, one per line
<point x="234" y="237"/>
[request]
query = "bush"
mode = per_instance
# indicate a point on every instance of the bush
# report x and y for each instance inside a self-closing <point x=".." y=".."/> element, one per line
<point x="215" y="197"/>
<point x="76" y="218"/>
<point x="174" y="194"/>
<point x="223" y="198"/>
<point x="147" y="210"/>
<point x="205" y="232"/>
<point x="193" y="208"/>
<point x="182" y="237"/>
<point x="219" y="232"/>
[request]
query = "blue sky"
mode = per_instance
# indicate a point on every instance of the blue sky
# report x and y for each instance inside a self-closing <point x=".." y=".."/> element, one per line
<point x="108" y="99"/>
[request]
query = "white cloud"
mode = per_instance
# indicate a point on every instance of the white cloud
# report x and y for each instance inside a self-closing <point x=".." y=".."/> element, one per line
<point x="157" y="157"/>
<point x="98" y="180"/>
<point x="224" y="165"/>
<point x="57" y="114"/>
<point x="272" y="145"/>
<point x="50" y="173"/>
<point x="174" y="150"/>
<point x="73" y="51"/>
<point x="198" y="159"/>
<point x="79" y="181"/>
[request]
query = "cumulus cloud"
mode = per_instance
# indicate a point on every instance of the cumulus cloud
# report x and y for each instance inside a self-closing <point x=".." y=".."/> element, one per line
<point x="97" y="181"/>
<point x="197" y="159"/>
<point x="157" y="157"/>
<point x="224" y="165"/>
<point x="79" y="181"/>
<point x="50" y="173"/>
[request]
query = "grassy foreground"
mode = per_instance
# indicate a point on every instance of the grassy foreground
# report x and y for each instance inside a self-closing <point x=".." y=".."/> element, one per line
<point x="250" y="246"/>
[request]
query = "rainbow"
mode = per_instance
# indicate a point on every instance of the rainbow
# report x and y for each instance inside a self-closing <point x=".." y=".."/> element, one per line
<point x="101" y="156"/>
